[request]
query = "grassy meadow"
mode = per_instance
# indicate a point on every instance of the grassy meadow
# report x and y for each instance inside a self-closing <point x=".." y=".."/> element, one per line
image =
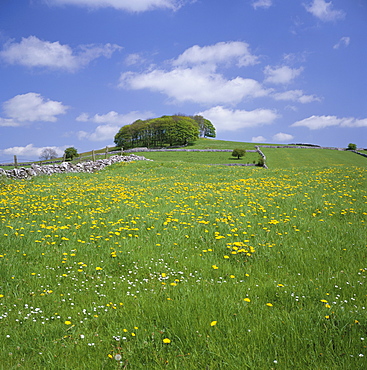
<point x="181" y="265"/>
<point x="202" y="157"/>
<point x="291" y="158"/>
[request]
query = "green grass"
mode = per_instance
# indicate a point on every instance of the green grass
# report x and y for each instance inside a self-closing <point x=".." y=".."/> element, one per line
<point x="220" y="144"/>
<point x="288" y="158"/>
<point x="240" y="268"/>
<point x="201" y="157"/>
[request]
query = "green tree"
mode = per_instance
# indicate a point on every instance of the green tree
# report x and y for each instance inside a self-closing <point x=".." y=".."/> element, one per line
<point x="206" y="128"/>
<point x="352" y="146"/>
<point x="166" y="130"/>
<point x="238" y="153"/>
<point x="71" y="153"/>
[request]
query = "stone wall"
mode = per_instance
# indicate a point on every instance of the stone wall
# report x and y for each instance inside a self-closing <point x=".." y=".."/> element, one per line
<point x="362" y="154"/>
<point x="67" y="167"/>
<point x="262" y="155"/>
<point x="299" y="147"/>
<point x="135" y="150"/>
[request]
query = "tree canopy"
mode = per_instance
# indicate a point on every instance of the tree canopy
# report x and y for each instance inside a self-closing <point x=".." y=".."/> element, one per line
<point x="70" y="153"/>
<point x="238" y="153"/>
<point x="166" y="130"/>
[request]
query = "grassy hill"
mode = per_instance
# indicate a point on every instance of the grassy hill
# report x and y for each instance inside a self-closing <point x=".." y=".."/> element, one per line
<point x="288" y="158"/>
<point x="276" y="157"/>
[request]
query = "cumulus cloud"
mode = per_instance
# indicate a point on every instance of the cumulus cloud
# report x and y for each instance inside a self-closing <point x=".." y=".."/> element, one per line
<point x="295" y="95"/>
<point x="281" y="75"/>
<point x="101" y="133"/>
<point x="30" y="151"/>
<point x="262" y="4"/>
<point x="33" y="52"/>
<point x="128" y="5"/>
<point x="193" y="76"/>
<point x="320" y="122"/>
<point x="232" y="120"/>
<point x="32" y="107"/>
<point x="113" y="117"/>
<point x="324" y="11"/>
<point x="110" y="123"/>
<point x="194" y="85"/>
<point x="222" y="52"/>
<point x="344" y="41"/>
<point x="281" y="137"/>
<point x="258" y="139"/>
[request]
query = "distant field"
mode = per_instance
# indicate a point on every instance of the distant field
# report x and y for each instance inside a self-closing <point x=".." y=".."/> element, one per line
<point x="201" y="157"/>
<point x="288" y="158"/>
<point x="276" y="157"/>
<point x="221" y="144"/>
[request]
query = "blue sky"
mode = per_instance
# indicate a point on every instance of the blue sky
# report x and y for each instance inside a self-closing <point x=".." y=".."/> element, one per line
<point x="72" y="72"/>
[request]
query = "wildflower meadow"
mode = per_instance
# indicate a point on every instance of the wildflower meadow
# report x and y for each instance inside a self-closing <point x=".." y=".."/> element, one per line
<point x="168" y="265"/>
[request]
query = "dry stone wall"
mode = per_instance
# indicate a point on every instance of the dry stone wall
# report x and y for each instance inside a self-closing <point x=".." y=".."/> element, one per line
<point x="67" y="167"/>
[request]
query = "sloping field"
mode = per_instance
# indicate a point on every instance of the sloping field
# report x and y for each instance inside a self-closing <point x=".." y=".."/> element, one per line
<point x="167" y="265"/>
<point x="288" y="158"/>
<point x="201" y="157"/>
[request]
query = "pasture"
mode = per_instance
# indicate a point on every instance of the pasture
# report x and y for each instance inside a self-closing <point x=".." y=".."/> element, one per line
<point x="167" y="265"/>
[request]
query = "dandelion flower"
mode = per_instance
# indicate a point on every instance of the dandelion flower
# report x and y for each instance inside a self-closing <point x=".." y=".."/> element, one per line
<point x="247" y="299"/>
<point x="67" y="322"/>
<point x="166" y="341"/>
<point x="269" y="304"/>
<point x="213" y="323"/>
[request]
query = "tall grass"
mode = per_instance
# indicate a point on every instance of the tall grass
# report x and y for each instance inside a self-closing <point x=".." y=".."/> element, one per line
<point x="156" y="265"/>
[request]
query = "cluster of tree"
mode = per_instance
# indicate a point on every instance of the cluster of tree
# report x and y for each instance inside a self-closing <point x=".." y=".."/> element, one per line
<point x="50" y="153"/>
<point x="167" y="130"/>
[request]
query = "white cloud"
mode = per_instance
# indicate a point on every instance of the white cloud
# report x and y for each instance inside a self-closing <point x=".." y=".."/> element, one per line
<point x="33" y="52"/>
<point x="320" y="122"/>
<point x="113" y="117"/>
<point x="222" y="52"/>
<point x="194" y="78"/>
<point x="83" y="117"/>
<point x="282" y="137"/>
<point x="133" y="59"/>
<point x="195" y="85"/>
<point x="30" y="151"/>
<point x="110" y="122"/>
<point x="258" y="139"/>
<point x="101" y="133"/>
<point x="344" y="41"/>
<point x="323" y="10"/>
<point x="262" y="4"/>
<point x="32" y="107"/>
<point x="296" y="95"/>
<point x="281" y="75"/>
<point x="129" y="5"/>
<point x="232" y="120"/>
<point x="8" y="122"/>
